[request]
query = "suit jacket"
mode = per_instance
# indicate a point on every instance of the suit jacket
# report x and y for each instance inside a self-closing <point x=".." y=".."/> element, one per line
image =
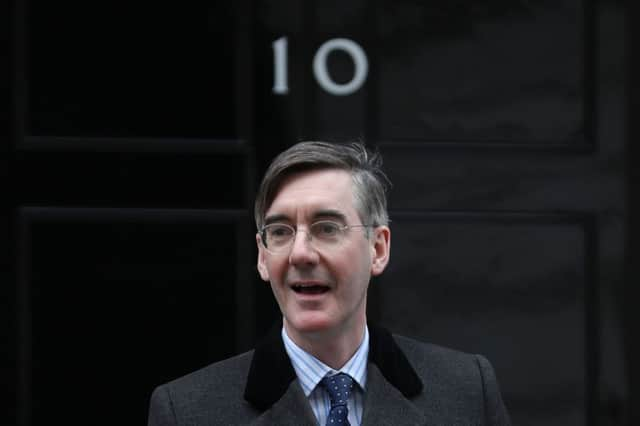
<point x="408" y="383"/>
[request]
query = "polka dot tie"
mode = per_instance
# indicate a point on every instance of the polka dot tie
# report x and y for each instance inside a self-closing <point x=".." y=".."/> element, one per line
<point x="339" y="388"/>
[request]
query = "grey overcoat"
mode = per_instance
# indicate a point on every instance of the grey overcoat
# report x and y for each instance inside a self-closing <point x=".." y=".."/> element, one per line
<point x="408" y="383"/>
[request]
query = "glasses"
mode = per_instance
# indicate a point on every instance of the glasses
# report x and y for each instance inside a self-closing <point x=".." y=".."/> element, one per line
<point x="324" y="235"/>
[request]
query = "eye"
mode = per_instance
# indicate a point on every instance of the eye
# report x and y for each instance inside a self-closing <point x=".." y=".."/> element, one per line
<point x="325" y="229"/>
<point x="279" y="231"/>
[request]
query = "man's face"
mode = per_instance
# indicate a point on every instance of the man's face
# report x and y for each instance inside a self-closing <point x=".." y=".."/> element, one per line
<point x="340" y="275"/>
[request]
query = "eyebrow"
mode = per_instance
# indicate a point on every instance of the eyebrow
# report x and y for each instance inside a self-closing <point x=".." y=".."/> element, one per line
<point x="329" y="214"/>
<point x="320" y="214"/>
<point x="276" y="218"/>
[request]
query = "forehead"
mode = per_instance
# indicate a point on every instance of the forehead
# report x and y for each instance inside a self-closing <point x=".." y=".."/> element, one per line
<point x="314" y="190"/>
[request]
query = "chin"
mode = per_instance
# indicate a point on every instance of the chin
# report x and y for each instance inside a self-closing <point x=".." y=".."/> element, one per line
<point x="310" y="322"/>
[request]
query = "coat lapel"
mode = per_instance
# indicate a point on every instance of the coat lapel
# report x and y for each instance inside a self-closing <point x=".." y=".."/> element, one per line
<point x="292" y="409"/>
<point x="272" y="386"/>
<point x="270" y="373"/>
<point x="384" y="404"/>
<point x="392" y="362"/>
<point x="273" y="389"/>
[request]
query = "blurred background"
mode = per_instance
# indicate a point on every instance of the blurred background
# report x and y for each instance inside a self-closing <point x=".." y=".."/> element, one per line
<point x="136" y="134"/>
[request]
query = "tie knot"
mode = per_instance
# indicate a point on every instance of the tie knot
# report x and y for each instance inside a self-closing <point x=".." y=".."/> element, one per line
<point x="339" y="388"/>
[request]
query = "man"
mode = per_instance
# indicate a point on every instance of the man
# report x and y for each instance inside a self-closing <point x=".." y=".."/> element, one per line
<point x="322" y="234"/>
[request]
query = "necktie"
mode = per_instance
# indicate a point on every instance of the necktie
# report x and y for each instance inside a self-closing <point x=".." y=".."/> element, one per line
<point x="339" y="388"/>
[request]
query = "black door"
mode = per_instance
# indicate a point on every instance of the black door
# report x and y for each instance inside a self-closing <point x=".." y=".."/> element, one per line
<point x="139" y="133"/>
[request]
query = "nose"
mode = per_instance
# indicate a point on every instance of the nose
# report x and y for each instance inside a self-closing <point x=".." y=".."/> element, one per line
<point x="302" y="251"/>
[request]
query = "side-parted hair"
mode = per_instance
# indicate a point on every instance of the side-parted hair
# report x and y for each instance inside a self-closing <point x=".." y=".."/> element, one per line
<point x="370" y="184"/>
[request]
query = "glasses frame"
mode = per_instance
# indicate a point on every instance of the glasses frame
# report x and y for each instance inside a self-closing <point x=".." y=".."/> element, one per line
<point x="262" y="233"/>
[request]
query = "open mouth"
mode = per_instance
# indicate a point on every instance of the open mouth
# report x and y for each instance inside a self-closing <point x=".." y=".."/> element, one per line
<point x="310" y="289"/>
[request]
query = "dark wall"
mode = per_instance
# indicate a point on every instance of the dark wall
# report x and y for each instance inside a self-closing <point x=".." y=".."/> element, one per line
<point x="137" y="136"/>
<point x="633" y="236"/>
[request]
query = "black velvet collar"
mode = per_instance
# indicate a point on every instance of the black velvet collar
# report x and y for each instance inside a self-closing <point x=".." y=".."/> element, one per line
<point x="271" y="371"/>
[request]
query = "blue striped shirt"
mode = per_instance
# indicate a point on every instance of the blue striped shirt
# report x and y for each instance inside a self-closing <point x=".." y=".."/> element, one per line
<point x="310" y="371"/>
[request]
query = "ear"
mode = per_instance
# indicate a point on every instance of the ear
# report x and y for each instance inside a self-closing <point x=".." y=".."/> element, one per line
<point x="380" y="249"/>
<point x="262" y="267"/>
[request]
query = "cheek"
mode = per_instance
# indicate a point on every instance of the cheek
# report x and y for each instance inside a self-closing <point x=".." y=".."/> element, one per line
<point x="355" y="270"/>
<point x="275" y="269"/>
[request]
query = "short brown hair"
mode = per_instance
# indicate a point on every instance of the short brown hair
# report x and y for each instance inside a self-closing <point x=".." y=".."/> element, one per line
<point x="370" y="182"/>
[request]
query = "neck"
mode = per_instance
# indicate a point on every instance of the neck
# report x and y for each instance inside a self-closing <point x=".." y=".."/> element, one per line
<point x="334" y="347"/>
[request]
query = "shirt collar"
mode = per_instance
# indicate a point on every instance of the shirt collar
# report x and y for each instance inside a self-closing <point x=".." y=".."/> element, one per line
<point x="310" y="370"/>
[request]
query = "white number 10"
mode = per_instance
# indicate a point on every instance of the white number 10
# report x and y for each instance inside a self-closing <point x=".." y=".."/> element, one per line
<point x="353" y="49"/>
